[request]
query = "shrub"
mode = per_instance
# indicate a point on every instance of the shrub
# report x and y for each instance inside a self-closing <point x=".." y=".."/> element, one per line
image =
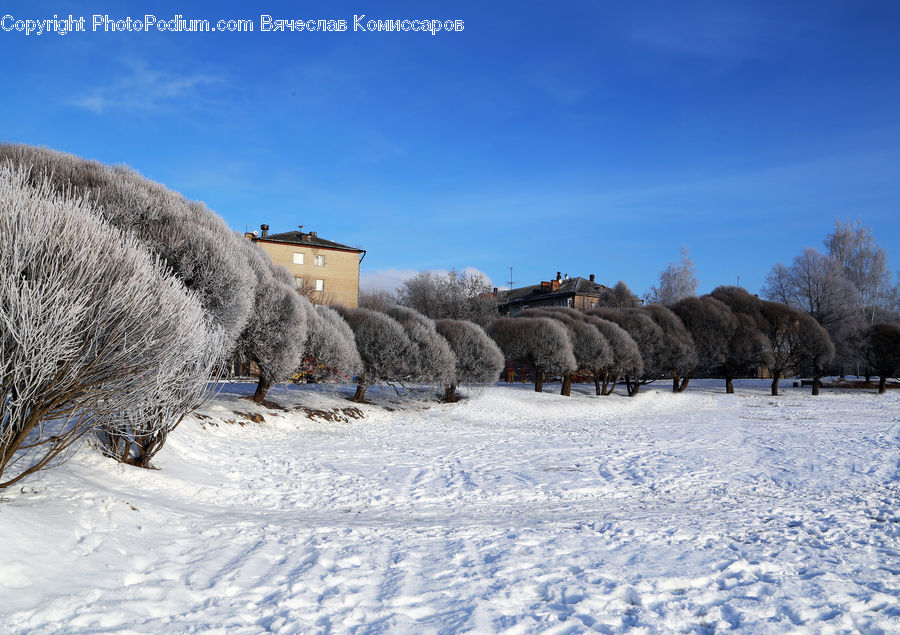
<point x="82" y="328"/>
<point x="330" y="350"/>
<point x="478" y="359"/>
<point x="275" y="336"/>
<point x="591" y="350"/>
<point x="626" y="355"/>
<point x="194" y="242"/>
<point x="434" y="363"/>
<point x="540" y="342"/>
<point x="383" y="346"/>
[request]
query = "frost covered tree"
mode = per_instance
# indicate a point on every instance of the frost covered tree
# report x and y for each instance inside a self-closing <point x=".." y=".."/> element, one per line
<point x="276" y="333"/>
<point x="136" y="431"/>
<point x="712" y="326"/>
<point x="626" y="356"/>
<point x="330" y="349"/>
<point x="194" y="242"/>
<point x="383" y="346"/>
<point x="677" y="281"/>
<point x="434" y="362"/>
<point x="883" y="352"/>
<point x="649" y="338"/>
<point x="478" y="359"/>
<point x="591" y="350"/>
<point x="816" y="349"/>
<point x="378" y="299"/>
<point x="82" y="335"/>
<point x="619" y="297"/>
<point x="818" y="286"/>
<point x="677" y="354"/>
<point x="749" y="345"/>
<point x="864" y="263"/>
<point x="792" y="336"/>
<point x="541" y="343"/>
<point x="455" y="295"/>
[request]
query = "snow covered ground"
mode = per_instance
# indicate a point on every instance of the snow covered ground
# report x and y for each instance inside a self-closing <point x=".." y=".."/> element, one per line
<point x="508" y="512"/>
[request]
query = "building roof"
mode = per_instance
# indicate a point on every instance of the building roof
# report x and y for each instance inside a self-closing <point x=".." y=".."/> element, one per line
<point x="567" y="287"/>
<point x="307" y="239"/>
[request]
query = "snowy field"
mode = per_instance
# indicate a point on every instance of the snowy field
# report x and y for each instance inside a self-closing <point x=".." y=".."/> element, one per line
<point x="508" y="512"/>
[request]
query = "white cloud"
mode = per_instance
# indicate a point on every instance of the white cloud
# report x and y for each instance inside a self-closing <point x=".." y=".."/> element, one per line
<point x="386" y="279"/>
<point x="143" y="88"/>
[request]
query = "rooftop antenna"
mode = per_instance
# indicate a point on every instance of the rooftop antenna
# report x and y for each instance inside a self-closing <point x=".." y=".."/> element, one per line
<point x="739" y="281"/>
<point x="299" y="226"/>
<point x="510" y="278"/>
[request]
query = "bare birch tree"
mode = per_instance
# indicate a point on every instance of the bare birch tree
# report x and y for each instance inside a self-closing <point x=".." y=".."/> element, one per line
<point x="677" y="281"/>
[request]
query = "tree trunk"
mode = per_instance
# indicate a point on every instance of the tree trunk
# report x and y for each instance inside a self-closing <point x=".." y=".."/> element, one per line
<point x="609" y="386"/>
<point x="729" y="384"/>
<point x="261" y="389"/>
<point x="632" y="385"/>
<point x="566" y="385"/>
<point x="816" y="382"/>
<point x="360" y="396"/>
<point x="684" y="384"/>
<point x="450" y="393"/>
<point x="538" y="380"/>
<point x="675" y="382"/>
<point x="882" y="385"/>
<point x="775" y="386"/>
<point x="597" y="387"/>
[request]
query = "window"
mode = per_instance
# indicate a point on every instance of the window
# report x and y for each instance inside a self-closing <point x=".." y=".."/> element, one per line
<point x="298" y="258"/>
<point x="320" y="285"/>
<point x="320" y="261"/>
<point x="298" y="282"/>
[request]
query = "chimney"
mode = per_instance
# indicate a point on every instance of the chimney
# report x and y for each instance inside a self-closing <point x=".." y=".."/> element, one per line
<point x="558" y="276"/>
<point x="554" y="284"/>
<point x="567" y="276"/>
<point x="592" y="277"/>
<point x="264" y="230"/>
<point x="312" y="234"/>
<point x="545" y="284"/>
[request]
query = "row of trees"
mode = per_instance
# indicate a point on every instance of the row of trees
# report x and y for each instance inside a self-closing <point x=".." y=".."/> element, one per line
<point x="727" y="333"/>
<point x="846" y="289"/>
<point x="120" y="301"/>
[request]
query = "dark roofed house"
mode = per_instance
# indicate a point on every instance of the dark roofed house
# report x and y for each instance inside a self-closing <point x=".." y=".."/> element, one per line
<point x="576" y="293"/>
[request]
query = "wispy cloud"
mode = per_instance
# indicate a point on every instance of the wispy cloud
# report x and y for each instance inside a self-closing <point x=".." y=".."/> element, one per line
<point x="142" y="88"/>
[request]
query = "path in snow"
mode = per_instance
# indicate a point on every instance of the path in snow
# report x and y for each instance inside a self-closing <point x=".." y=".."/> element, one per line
<point x="511" y="511"/>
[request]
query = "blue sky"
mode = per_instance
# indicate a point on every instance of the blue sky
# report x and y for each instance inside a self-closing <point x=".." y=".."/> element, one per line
<point x="582" y="137"/>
